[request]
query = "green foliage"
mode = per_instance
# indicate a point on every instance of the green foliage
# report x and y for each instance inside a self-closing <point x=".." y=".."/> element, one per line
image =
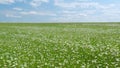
<point x="60" y="45"/>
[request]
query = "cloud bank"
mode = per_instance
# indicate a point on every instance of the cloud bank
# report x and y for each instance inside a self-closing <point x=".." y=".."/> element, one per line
<point x="60" y="10"/>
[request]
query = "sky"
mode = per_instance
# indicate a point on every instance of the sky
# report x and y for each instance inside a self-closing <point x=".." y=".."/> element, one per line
<point x="59" y="10"/>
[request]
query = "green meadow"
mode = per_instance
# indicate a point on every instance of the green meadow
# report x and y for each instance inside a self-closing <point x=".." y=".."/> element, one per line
<point x="60" y="45"/>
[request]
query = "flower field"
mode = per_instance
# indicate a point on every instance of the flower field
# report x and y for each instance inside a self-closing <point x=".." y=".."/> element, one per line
<point x="55" y="45"/>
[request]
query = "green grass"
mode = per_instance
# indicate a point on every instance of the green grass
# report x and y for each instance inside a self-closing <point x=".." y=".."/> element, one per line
<point x="60" y="45"/>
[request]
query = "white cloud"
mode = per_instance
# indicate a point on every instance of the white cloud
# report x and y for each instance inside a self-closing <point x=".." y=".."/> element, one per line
<point x="82" y="4"/>
<point x="68" y="16"/>
<point x="38" y="13"/>
<point x="18" y="9"/>
<point x="98" y="12"/>
<point x="29" y="13"/>
<point x="6" y="1"/>
<point x="10" y="1"/>
<point x="85" y="11"/>
<point x="13" y="16"/>
<point x="74" y="4"/>
<point x="73" y="13"/>
<point x="36" y="3"/>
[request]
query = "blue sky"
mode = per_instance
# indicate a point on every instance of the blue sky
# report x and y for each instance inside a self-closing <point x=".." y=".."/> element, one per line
<point x="59" y="11"/>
